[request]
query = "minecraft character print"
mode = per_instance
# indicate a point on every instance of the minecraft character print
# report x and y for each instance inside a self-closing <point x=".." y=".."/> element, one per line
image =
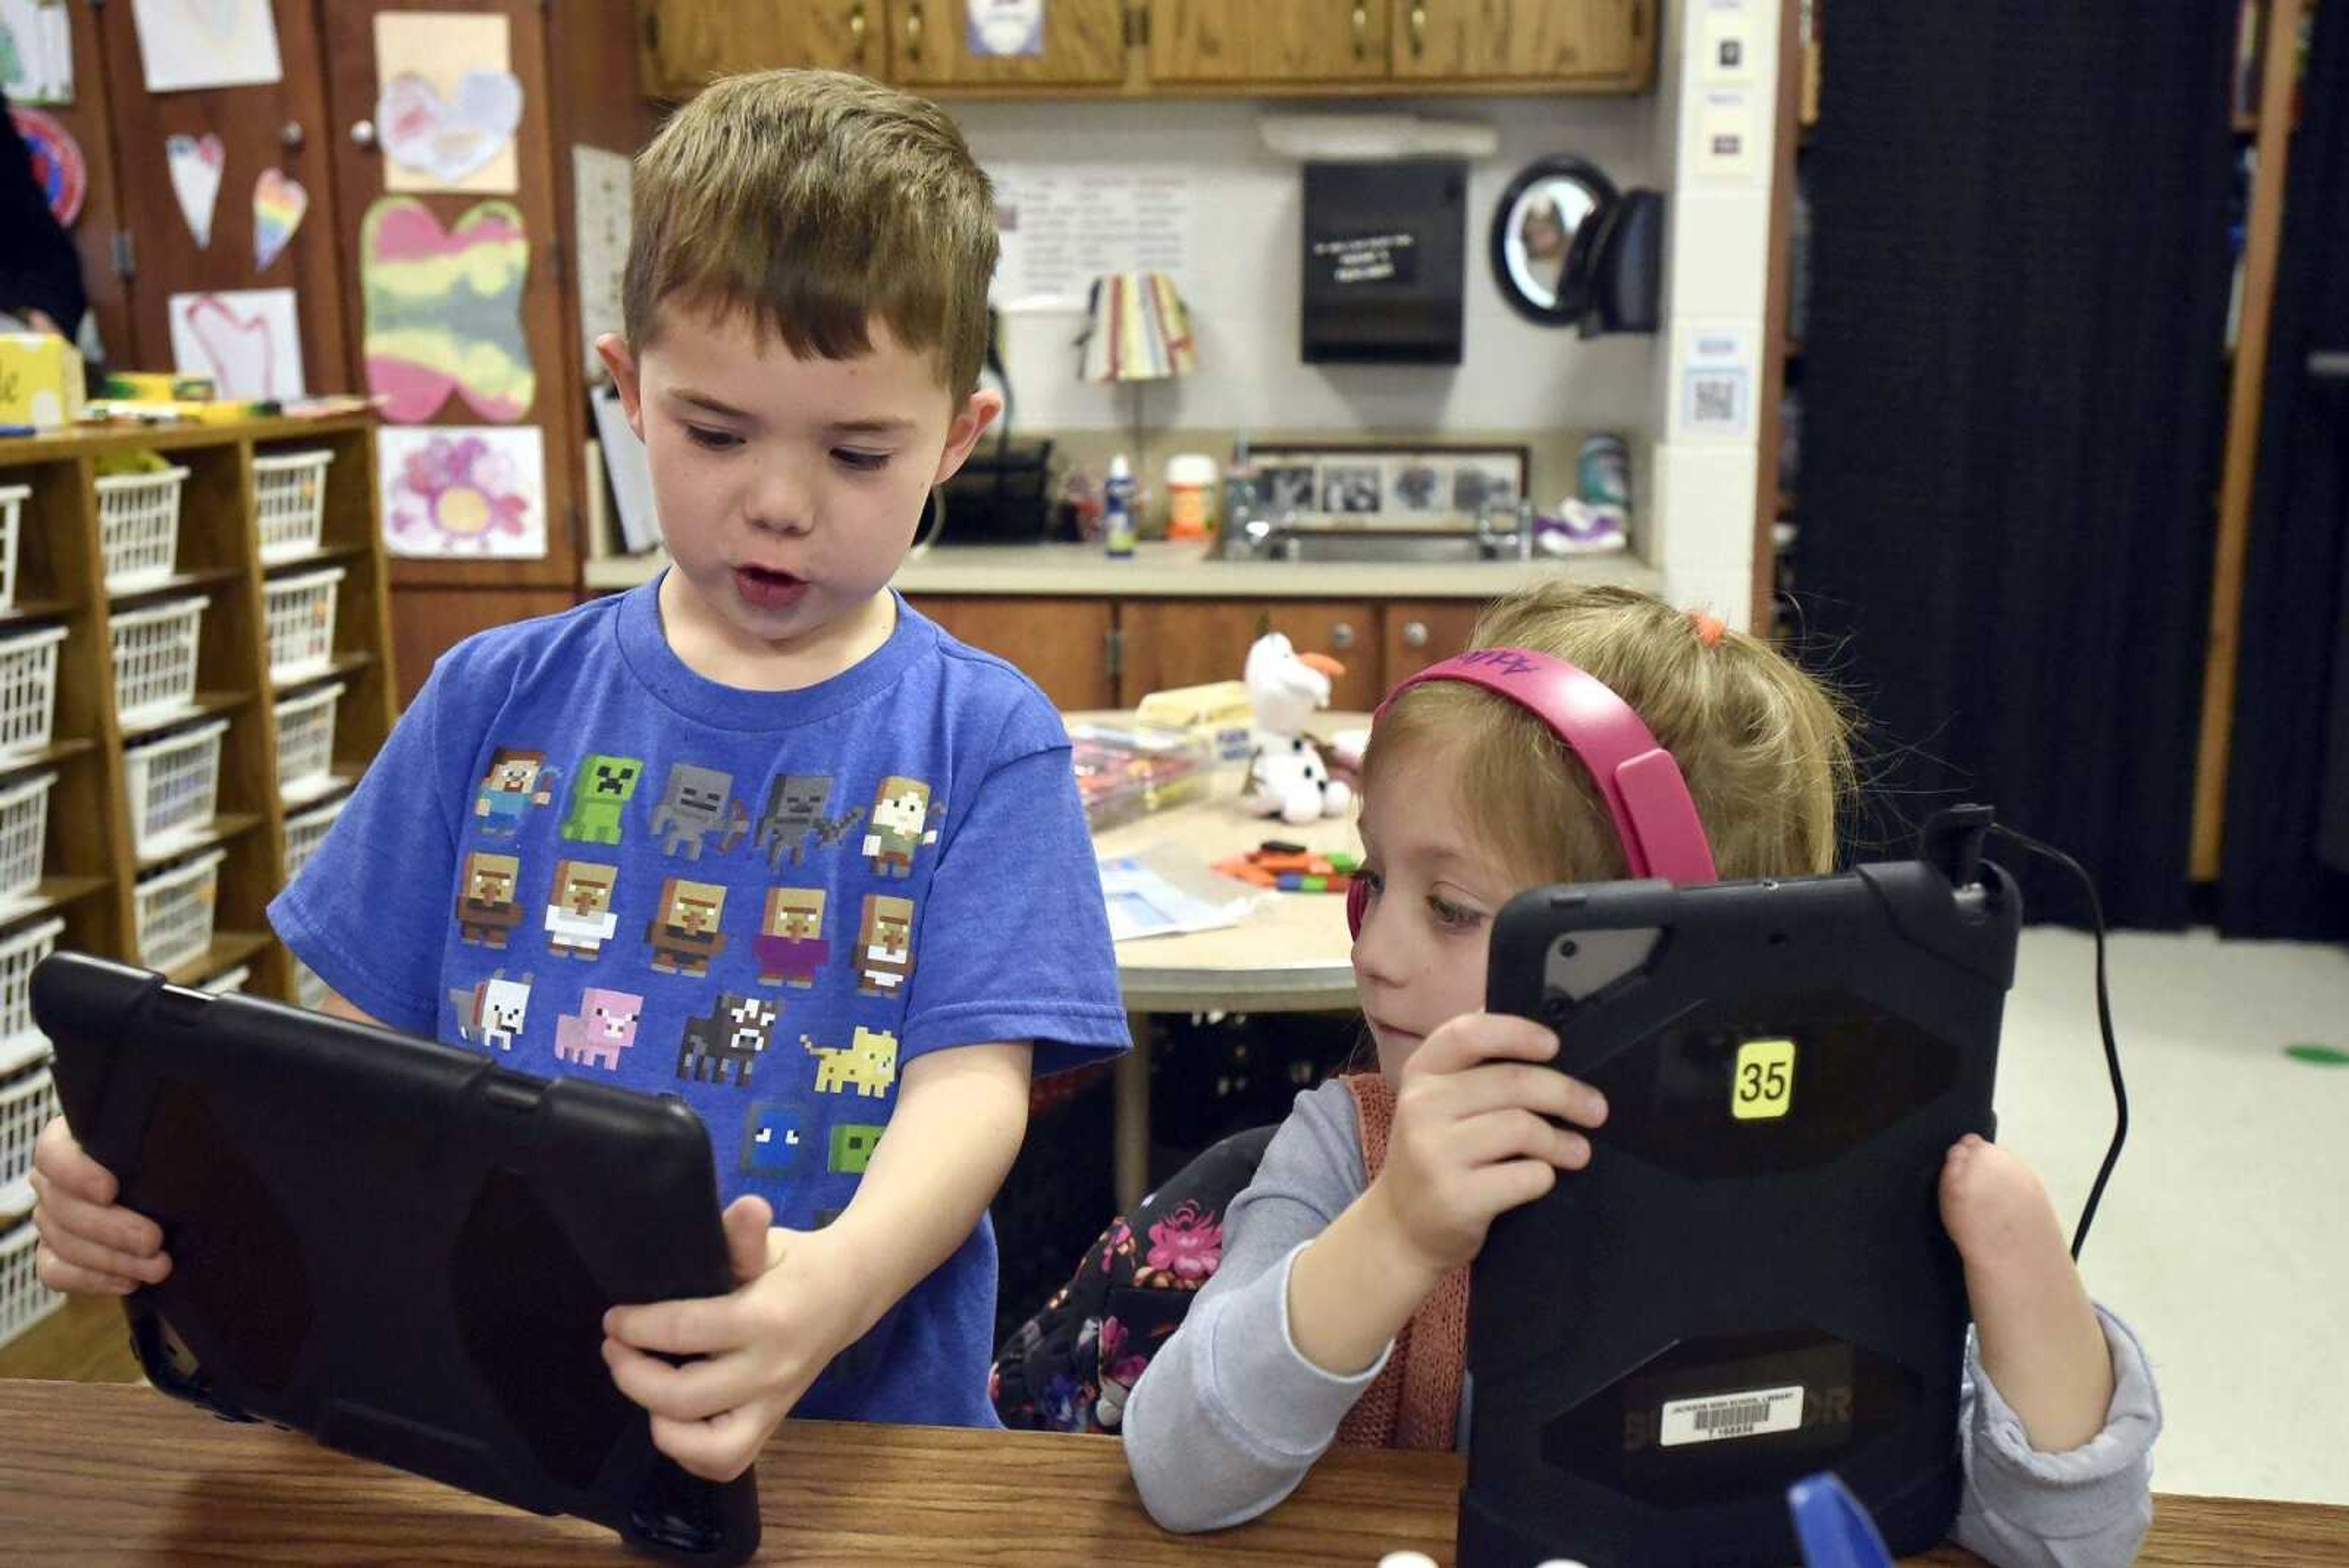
<point x="493" y="1012"/>
<point x="684" y="932"/>
<point x="903" y="821"/>
<point x="885" y="945"/>
<point x="789" y="946"/>
<point x="600" y="793"/>
<point x="867" y="1064"/>
<point x="605" y="1025"/>
<point x="733" y="1036"/>
<point x="579" y="917"/>
<point x="486" y="912"/>
<point x="777" y="1139"/>
<point x="794" y="813"/>
<point x="695" y="802"/>
<point x="851" y="1148"/>
<point x="515" y="781"/>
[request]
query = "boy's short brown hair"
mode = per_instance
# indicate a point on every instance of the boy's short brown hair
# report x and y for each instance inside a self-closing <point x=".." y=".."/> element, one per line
<point x="814" y="203"/>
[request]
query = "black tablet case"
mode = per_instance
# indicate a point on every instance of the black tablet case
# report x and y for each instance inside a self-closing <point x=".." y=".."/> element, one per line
<point x="1699" y="1256"/>
<point x="397" y="1246"/>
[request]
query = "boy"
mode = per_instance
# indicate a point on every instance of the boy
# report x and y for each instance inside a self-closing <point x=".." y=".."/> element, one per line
<point x="806" y="316"/>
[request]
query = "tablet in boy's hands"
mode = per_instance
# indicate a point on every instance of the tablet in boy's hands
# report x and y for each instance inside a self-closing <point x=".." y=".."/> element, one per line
<point x="397" y="1246"/>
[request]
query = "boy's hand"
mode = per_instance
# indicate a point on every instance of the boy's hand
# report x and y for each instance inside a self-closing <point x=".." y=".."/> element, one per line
<point x="89" y="1243"/>
<point x="794" y="1308"/>
<point x="1474" y="1135"/>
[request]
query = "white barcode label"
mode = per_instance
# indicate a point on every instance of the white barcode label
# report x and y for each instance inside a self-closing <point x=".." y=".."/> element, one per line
<point x="1751" y="1414"/>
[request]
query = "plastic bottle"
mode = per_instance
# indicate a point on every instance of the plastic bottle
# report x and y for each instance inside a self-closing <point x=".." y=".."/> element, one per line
<point x="1190" y="495"/>
<point x="1117" y="512"/>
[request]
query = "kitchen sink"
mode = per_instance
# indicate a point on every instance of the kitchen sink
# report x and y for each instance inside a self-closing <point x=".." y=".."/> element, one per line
<point x="1382" y="546"/>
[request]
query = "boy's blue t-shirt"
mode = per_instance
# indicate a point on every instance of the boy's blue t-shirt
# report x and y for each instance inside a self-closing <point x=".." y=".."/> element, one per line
<point x="578" y="856"/>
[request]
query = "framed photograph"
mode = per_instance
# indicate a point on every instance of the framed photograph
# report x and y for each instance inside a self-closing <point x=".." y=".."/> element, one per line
<point x="1387" y="487"/>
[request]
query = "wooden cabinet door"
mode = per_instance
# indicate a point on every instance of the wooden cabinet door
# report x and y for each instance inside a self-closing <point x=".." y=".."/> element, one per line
<point x="1253" y="41"/>
<point x="1563" y="40"/>
<point x="684" y="43"/>
<point x="555" y="400"/>
<point x="1063" y="645"/>
<point x="281" y="124"/>
<point x="1421" y="633"/>
<point x="1189" y="642"/>
<point x="930" y="45"/>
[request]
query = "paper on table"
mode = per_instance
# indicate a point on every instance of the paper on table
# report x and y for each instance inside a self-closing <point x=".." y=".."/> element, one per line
<point x="1165" y="890"/>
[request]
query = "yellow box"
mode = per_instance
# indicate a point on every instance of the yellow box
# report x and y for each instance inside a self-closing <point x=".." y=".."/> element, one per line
<point x="41" y="380"/>
<point x="1761" y="1087"/>
<point x="1218" y="714"/>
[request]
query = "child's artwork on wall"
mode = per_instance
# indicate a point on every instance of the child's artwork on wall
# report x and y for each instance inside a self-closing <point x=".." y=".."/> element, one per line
<point x="279" y="203"/>
<point x="444" y="311"/>
<point x="463" y="491"/>
<point x="249" y="341"/>
<point x="1004" y="29"/>
<point x="37" y="51"/>
<point x="186" y="43"/>
<point x="448" y="103"/>
<point x="196" y="164"/>
<point x="600" y="184"/>
<point x="57" y="166"/>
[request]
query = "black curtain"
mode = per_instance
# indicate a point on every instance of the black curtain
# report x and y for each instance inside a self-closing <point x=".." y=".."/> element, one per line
<point x="2014" y="400"/>
<point x="2287" y="766"/>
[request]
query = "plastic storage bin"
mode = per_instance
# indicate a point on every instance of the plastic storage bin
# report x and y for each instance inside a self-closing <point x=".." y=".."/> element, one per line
<point x="27" y="1101"/>
<point x="139" y="527"/>
<point x="23" y="831"/>
<point x="174" y="911"/>
<point x="306" y="831"/>
<point x="12" y="508"/>
<point x="29" y="688"/>
<point x="155" y="651"/>
<point x="174" y="786"/>
<point x="300" y="610"/>
<point x="229" y="982"/>
<point x="24" y="1299"/>
<point x="289" y="491"/>
<point x="21" y="948"/>
<point x="305" y="741"/>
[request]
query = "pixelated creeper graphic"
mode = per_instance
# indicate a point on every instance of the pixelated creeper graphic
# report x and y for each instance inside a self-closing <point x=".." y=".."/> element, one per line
<point x="851" y="1148"/>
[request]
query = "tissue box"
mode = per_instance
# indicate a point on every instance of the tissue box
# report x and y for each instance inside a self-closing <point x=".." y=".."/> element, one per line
<point x="41" y="380"/>
<point x="1218" y="715"/>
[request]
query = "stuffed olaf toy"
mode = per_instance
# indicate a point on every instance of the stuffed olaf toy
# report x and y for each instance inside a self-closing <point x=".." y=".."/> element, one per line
<point x="1285" y="775"/>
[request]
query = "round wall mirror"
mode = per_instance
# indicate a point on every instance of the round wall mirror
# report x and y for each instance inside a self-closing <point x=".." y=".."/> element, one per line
<point x="1542" y="234"/>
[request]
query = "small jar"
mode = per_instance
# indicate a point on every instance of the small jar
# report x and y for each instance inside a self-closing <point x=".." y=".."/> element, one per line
<point x="1190" y="495"/>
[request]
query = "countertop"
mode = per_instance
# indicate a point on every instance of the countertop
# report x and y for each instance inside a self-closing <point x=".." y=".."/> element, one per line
<point x="1161" y="570"/>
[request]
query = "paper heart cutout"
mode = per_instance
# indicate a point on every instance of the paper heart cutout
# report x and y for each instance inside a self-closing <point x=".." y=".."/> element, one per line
<point x="279" y="203"/>
<point x="197" y="163"/>
<point x="450" y="141"/>
<point x="243" y="349"/>
<point x="444" y="311"/>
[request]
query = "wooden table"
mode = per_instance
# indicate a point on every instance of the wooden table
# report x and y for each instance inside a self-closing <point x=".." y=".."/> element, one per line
<point x="119" y="1474"/>
<point x="1292" y="957"/>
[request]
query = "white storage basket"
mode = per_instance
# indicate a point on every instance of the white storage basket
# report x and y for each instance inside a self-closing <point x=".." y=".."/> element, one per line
<point x="305" y="741"/>
<point x="289" y="491"/>
<point x="29" y="688"/>
<point x="309" y="990"/>
<point x="175" y="911"/>
<point x="175" y="786"/>
<point x="139" y="527"/>
<point x="12" y="507"/>
<point x="300" y="610"/>
<point x="20" y="950"/>
<point x="155" y="651"/>
<point x="23" y="834"/>
<point x="27" y="1101"/>
<point x="24" y="1299"/>
<point x="305" y="832"/>
<point x="229" y="982"/>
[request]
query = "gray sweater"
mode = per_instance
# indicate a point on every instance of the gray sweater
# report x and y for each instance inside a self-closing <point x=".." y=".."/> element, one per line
<point x="1229" y="1417"/>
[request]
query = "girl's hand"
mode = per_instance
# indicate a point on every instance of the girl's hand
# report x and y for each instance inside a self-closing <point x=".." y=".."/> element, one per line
<point x="89" y="1243"/>
<point x="1474" y="1135"/>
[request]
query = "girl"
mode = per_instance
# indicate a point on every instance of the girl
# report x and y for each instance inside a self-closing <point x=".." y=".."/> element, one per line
<point x="1339" y="1311"/>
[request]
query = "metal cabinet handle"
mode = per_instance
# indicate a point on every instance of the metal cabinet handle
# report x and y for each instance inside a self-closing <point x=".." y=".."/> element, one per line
<point x="363" y="132"/>
<point x="1418" y="30"/>
<point x="291" y="135"/>
<point x="1362" y="30"/>
<point x="856" y="32"/>
<point x="914" y="31"/>
<point x="1414" y="634"/>
<point x="1342" y="635"/>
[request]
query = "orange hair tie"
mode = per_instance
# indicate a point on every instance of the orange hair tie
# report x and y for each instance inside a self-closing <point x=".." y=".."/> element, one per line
<point x="1709" y="628"/>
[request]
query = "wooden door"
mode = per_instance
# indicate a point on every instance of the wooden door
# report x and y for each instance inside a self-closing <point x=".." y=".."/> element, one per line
<point x="1063" y="645"/>
<point x="1083" y="44"/>
<point x="684" y="42"/>
<point x="1189" y="642"/>
<point x="549" y="401"/>
<point x="279" y="125"/>
<point x="1421" y="633"/>
<point x="1562" y="40"/>
<point x="1251" y="41"/>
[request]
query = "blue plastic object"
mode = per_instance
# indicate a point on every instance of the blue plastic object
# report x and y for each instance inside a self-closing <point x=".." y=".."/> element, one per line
<point x="1830" y="1526"/>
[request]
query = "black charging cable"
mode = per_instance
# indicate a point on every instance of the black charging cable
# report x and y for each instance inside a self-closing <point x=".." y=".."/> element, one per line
<point x="2103" y="1020"/>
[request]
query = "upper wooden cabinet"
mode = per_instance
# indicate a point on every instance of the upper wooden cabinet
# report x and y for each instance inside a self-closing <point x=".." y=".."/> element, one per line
<point x="1084" y="45"/>
<point x="1551" y="40"/>
<point x="687" y="42"/>
<point x="1252" y="41"/>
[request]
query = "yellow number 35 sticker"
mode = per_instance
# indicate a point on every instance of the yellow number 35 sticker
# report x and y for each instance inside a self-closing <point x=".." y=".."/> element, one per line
<point x="1763" y="1085"/>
